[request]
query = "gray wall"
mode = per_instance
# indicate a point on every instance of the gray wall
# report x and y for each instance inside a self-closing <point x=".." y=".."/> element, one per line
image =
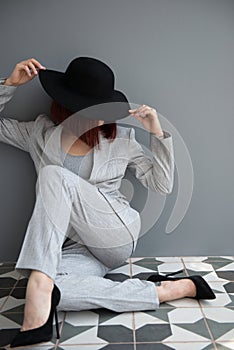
<point x="175" y="55"/>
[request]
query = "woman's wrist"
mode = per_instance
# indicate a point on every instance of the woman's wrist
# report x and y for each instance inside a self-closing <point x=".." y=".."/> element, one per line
<point x="160" y="136"/>
<point x="5" y="81"/>
<point x="8" y="82"/>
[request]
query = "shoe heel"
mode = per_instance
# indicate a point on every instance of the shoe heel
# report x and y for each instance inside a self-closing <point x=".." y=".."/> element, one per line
<point x="56" y="322"/>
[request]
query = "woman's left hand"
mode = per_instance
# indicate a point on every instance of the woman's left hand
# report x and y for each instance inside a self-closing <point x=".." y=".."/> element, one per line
<point x="149" y="119"/>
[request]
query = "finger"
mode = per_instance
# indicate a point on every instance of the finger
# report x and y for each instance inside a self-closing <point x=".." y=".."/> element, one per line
<point x="146" y="110"/>
<point x="33" y="68"/>
<point x="27" y="70"/>
<point x="139" y="109"/>
<point x="137" y="115"/>
<point x="141" y="112"/>
<point x="38" y="64"/>
<point x="134" y="110"/>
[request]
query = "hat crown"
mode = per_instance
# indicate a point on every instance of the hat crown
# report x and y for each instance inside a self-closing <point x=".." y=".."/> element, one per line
<point x="86" y="86"/>
<point x="91" y="77"/>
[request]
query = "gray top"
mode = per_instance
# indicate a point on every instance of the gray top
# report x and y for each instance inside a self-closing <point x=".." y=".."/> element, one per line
<point x="80" y="165"/>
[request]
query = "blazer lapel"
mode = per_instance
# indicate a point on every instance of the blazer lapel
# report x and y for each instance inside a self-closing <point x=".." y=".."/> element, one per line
<point x="99" y="157"/>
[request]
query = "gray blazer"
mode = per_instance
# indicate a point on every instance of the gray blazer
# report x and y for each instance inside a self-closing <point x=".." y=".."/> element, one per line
<point x="42" y="139"/>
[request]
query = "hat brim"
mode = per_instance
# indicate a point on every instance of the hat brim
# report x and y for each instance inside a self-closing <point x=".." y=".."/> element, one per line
<point x="54" y="84"/>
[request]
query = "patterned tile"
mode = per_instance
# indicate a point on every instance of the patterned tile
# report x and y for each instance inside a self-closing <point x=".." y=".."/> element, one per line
<point x="101" y="325"/>
<point x="220" y="321"/>
<point x="187" y="333"/>
<point x="22" y="283"/>
<point x="124" y="269"/>
<point x="224" y="295"/>
<point x="121" y="273"/>
<point x="152" y="266"/>
<point x="142" y="260"/>
<point x="5" y="270"/>
<point x="124" y="319"/>
<point x="6" y="281"/>
<point x="11" y="303"/>
<point x="8" y="273"/>
<point x="79" y="335"/>
<point x="219" y="265"/>
<point x="173" y="325"/>
<point x="208" y="258"/>
<point x="229" y="287"/>
<point x="115" y="327"/>
<point x="158" y="260"/>
<point x="153" y="317"/>
<point x="153" y="346"/>
<point x="185" y="324"/>
<point x="119" y="346"/>
<point x="194" y="258"/>
<point x="7" y="263"/>
<point x="143" y="268"/>
<point x="169" y="267"/>
<point x="105" y="314"/>
<point x="227" y="275"/>
<point x="185" y="302"/>
<point x="225" y="345"/>
<point x="140" y="270"/>
<point x="82" y="318"/>
<point x="191" y="346"/>
<point x="220" y="258"/>
<point x="117" y="277"/>
<point x="80" y="347"/>
<point x="199" y="267"/>
<point x="18" y="293"/>
<point x="115" y="334"/>
<point x="3" y="295"/>
<point x="153" y="332"/>
<point x="212" y="269"/>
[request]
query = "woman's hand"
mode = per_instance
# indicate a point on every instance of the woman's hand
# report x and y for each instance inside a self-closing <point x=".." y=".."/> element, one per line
<point x="149" y="119"/>
<point x="23" y="72"/>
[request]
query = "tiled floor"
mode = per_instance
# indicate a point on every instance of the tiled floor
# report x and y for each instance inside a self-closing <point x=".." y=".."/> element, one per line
<point x="185" y="324"/>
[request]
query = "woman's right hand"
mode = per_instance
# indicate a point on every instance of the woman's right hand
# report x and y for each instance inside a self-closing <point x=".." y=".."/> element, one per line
<point x="23" y="72"/>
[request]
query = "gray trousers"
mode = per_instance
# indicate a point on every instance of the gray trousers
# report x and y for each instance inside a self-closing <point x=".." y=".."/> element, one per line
<point x="69" y="206"/>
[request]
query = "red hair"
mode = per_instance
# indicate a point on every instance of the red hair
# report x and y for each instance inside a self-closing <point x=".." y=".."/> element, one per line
<point x="91" y="136"/>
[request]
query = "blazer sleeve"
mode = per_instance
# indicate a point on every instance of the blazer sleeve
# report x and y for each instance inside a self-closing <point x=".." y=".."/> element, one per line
<point x="13" y="132"/>
<point x="156" y="173"/>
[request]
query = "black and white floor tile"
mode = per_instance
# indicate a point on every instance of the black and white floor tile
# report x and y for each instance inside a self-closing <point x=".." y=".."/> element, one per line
<point x="185" y="324"/>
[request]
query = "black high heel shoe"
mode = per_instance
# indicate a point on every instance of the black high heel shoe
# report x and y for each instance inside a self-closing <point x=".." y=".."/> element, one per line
<point x="43" y="333"/>
<point x="203" y="290"/>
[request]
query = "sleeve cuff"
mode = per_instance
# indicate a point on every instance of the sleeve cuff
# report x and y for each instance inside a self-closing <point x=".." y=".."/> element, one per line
<point x="166" y="134"/>
<point x="7" y="89"/>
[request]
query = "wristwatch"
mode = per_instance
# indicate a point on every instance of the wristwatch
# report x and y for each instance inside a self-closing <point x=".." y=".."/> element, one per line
<point x="2" y="80"/>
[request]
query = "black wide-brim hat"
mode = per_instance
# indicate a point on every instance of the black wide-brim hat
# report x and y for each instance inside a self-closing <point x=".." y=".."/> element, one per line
<point x="86" y="86"/>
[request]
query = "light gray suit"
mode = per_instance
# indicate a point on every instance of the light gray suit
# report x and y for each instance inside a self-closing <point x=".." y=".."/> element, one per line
<point x="94" y="213"/>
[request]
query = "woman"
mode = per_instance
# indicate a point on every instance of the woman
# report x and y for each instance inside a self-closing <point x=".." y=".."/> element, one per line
<point x="82" y="226"/>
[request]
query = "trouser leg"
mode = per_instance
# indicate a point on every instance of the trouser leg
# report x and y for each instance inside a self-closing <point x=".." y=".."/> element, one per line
<point x="86" y="288"/>
<point x="63" y="199"/>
